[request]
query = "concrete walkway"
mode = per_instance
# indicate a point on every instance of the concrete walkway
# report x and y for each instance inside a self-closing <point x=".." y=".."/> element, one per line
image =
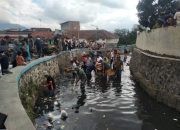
<point x="158" y="57"/>
<point x="10" y="102"/>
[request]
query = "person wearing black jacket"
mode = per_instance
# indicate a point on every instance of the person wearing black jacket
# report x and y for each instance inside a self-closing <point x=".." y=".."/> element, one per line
<point x="4" y="61"/>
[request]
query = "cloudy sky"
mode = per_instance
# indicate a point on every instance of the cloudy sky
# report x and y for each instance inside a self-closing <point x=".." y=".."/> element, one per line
<point x="105" y="14"/>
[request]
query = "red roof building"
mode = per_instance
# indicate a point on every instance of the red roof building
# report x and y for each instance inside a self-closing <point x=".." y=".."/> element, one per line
<point x="42" y="34"/>
<point x="91" y="34"/>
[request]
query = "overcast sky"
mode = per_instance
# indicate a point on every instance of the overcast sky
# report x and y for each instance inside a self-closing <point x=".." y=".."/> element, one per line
<point x="105" y="14"/>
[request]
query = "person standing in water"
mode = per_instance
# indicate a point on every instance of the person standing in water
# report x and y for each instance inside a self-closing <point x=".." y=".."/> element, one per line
<point x="81" y="76"/>
<point x="50" y="84"/>
<point x="118" y="66"/>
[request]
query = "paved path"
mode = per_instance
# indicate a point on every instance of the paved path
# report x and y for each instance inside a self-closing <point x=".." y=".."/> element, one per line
<point x="158" y="57"/>
<point x="10" y="102"/>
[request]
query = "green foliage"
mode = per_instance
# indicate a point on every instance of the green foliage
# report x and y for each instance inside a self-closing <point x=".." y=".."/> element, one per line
<point x="150" y="10"/>
<point x="145" y="11"/>
<point x="29" y="94"/>
<point x="126" y="37"/>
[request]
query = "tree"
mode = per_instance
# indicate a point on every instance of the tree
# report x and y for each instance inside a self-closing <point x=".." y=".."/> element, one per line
<point x="150" y="10"/>
<point x="146" y="12"/>
<point x="126" y="37"/>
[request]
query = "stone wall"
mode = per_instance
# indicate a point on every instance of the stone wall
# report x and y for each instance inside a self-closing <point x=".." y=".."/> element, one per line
<point x="32" y="77"/>
<point x="159" y="76"/>
<point x="160" y="41"/>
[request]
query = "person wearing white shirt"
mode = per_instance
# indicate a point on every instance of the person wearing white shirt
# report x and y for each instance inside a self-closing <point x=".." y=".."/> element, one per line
<point x="177" y="17"/>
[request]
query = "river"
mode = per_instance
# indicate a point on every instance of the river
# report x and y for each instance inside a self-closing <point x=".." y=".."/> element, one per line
<point x="105" y="105"/>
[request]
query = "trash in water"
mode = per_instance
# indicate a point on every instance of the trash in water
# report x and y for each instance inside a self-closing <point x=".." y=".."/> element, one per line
<point x="46" y="123"/>
<point x="62" y="127"/>
<point x="90" y="109"/>
<point x="104" y="116"/>
<point x="175" y="119"/>
<point x="54" y="115"/>
<point x="64" y="115"/>
<point x="42" y="123"/>
<point x="57" y="122"/>
<point x="55" y="103"/>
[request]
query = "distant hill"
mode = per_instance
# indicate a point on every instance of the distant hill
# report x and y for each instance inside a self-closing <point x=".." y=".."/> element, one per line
<point x="4" y="26"/>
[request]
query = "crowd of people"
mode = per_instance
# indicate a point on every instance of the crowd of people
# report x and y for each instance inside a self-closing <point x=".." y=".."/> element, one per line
<point x="88" y="67"/>
<point x="104" y="64"/>
<point x="169" y="19"/>
<point x="24" y="50"/>
<point x="64" y="43"/>
<point x="166" y="19"/>
<point x="21" y="52"/>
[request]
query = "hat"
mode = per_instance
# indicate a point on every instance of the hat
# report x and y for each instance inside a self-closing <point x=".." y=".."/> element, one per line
<point x="99" y="59"/>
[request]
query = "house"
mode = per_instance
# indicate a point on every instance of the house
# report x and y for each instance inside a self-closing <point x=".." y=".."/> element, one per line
<point x="70" y="26"/>
<point x="101" y="36"/>
<point x="42" y="33"/>
<point x="13" y="34"/>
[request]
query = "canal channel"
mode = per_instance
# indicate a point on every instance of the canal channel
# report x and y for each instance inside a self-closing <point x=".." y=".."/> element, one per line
<point x="105" y="105"/>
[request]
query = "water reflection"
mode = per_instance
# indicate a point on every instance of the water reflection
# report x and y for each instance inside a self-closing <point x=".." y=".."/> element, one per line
<point x="155" y="115"/>
<point x="80" y="101"/>
<point x="118" y="87"/>
<point x="112" y="105"/>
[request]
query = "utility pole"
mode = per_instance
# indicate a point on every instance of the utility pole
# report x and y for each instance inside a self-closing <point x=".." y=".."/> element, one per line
<point x="96" y="31"/>
<point x="40" y="22"/>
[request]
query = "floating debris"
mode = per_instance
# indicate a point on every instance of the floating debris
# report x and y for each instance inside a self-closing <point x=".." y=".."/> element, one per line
<point x="175" y="119"/>
<point x="62" y="127"/>
<point x="91" y="109"/>
<point x="55" y="103"/>
<point x="104" y="116"/>
<point x="54" y="115"/>
<point x="64" y="115"/>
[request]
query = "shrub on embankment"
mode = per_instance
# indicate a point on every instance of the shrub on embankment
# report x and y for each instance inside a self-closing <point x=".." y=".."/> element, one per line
<point x="31" y="79"/>
<point x="29" y="97"/>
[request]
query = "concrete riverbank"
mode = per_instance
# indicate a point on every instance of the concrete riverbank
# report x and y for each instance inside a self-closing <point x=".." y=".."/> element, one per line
<point x="18" y="95"/>
<point x="159" y="76"/>
<point x="17" y="118"/>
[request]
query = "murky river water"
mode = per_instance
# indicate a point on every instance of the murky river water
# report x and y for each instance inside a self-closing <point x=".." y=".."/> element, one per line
<point x="107" y="106"/>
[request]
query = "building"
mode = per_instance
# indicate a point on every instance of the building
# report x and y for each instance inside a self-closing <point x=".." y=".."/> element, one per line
<point x="34" y="32"/>
<point x="101" y="36"/>
<point x="70" y="26"/>
<point x="13" y="34"/>
<point x="42" y="33"/>
<point x="40" y="30"/>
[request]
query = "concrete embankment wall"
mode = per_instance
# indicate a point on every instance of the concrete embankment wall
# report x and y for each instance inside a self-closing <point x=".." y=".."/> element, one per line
<point x="31" y="80"/>
<point x="154" y="68"/>
<point x="26" y="84"/>
<point x="161" y="41"/>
